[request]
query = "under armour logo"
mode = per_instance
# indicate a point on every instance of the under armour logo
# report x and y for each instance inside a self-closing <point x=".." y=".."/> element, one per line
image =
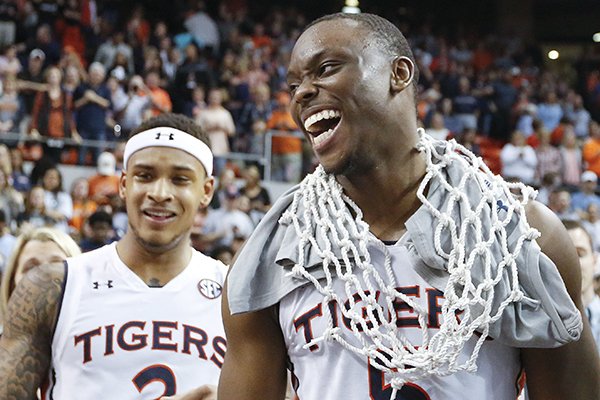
<point x="501" y="206"/>
<point x="108" y="284"/>
<point x="169" y="135"/>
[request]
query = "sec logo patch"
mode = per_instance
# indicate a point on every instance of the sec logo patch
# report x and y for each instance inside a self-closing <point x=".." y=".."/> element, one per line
<point x="209" y="288"/>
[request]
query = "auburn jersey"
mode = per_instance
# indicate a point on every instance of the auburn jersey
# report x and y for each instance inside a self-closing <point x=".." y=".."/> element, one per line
<point x="117" y="338"/>
<point x="326" y="370"/>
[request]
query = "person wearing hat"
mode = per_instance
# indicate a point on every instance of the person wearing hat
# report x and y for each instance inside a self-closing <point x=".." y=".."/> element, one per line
<point x="105" y="184"/>
<point x="586" y="195"/>
<point x="31" y="79"/>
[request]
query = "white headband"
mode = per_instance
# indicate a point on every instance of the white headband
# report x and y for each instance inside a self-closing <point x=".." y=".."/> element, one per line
<point x="170" y="137"/>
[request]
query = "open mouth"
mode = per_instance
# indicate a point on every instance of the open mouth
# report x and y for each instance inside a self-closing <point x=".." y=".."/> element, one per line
<point x="322" y="125"/>
<point x="159" y="216"/>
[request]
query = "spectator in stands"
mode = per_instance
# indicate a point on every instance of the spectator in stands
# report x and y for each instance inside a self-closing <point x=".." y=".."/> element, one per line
<point x="586" y="195"/>
<point x="259" y="108"/>
<point x="34" y="215"/>
<point x="92" y="101"/>
<point x="436" y="128"/>
<point x="549" y="110"/>
<point x="45" y="41"/>
<point x="108" y="52"/>
<point x="99" y="231"/>
<point x="581" y="117"/>
<point x="57" y="203"/>
<point x="72" y="79"/>
<point x="218" y="124"/>
<point x="105" y="183"/>
<point x="160" y="101"/>
<point x="8" y="22"/>
<point x="504" y="95"/>
<point x="548" y="157"/>
<point x="70" y="27"/>
<point x="7" y="241"/>
<point x="559" y="201"/>
<point x="31" y="80"/>
<point x="194" y="107"/>
<point x="591" y="223"/>
<point x="591" y="148"/>
<point x="11" y="107"/>
<point x="286" y="142"/>
<point x="83" y="206"/>
<point x="225" y="223"/>
<point x="19" y="178"/>
<point x="468" y="138"/>
<point x="571" y="161"/>
<point x="451" y="121"/>
<point x="203" y="28"/>
<point x="465" y="105"/>
<point x="9" y="63"/>
<point x="52" y="115"/>
<point x="257" y="194"/>
<point x="548" y="184"/>
<point x="193" y="72"/>
<point x="138" y="103"/>
<point x="11" y="200"/>
<point x="518" y="159"/>
<point x="32" y="249"/>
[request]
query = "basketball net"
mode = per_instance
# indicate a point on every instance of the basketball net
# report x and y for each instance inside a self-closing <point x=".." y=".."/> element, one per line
<point x="325" y="223"/>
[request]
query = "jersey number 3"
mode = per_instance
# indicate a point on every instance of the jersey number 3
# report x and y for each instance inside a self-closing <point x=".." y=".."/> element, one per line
<point x="379" y="390"/>
<point x="156" y="373"/>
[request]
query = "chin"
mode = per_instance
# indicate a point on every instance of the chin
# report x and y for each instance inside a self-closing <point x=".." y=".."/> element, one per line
<point x="158" y="245"/>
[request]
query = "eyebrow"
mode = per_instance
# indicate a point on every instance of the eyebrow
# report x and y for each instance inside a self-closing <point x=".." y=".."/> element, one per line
<point x="179" y="167"/>
<point x="310" y="61"/>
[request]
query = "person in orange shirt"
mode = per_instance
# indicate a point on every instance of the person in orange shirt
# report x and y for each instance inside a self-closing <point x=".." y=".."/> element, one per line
<point x="591" y="148"/>
<point x="159" y="97"/>
<point x="105" y="183"/>
<point x="286" y="145"/>
<point x="83" y="206"/>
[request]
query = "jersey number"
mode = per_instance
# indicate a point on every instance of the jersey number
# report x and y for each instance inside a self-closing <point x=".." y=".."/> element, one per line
<point x="156" y="373"/>
<point x="379" y="390"/>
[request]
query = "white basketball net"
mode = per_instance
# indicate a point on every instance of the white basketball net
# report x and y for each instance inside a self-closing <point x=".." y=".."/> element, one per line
<point x="326" y="216"/>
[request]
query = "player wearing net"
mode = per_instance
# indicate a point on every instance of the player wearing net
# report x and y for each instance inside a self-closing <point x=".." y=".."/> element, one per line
<point x="138" y="318"/>
<point x="402" y="268"/>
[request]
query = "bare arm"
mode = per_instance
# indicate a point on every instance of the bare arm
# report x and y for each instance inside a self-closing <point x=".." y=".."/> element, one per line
<point x="25" y="346"/>
<point x="255" y="361"/>
<point x="573" y="370"/>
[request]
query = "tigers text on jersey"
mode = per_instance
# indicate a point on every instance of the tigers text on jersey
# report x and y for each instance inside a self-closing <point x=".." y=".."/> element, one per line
<point x="326" y="370"/>
<point x="117" y="338"/>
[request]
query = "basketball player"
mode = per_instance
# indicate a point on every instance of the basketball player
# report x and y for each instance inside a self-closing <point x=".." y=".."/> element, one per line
<point x="138" y="318"/>
<point x="359" y="279"/>
<point x="587" y="260"/>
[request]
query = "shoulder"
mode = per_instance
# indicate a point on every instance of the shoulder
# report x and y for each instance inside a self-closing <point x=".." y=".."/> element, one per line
<point x="555" y="243"/>
<point x="36" y="300"/>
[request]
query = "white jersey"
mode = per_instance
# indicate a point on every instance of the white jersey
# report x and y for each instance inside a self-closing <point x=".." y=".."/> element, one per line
<point x="117" y="338"/>
<point x="329" y="371"/>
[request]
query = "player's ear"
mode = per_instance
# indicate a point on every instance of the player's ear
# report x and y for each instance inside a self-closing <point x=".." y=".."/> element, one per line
<point x="403" y="71"/>
<point x="122" y="183"/>
<point x="208" y="190"/>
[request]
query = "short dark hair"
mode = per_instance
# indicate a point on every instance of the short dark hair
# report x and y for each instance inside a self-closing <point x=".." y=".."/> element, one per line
<point x="99" y="217"/>
<point x="177" y="121"/>
<point x="572" y="224"/>
<point x="388" y="36"/>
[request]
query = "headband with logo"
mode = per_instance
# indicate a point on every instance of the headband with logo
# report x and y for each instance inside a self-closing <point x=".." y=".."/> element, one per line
<point x="170" y="137"/>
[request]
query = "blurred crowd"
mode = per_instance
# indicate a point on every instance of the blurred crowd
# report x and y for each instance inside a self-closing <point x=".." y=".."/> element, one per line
<point x="78" y="75"/>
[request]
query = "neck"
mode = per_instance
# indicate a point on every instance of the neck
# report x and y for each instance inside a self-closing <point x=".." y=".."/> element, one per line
<point x="387" y="195"/>
<point x="156" y="266"/>
<point x="587" y="296"/>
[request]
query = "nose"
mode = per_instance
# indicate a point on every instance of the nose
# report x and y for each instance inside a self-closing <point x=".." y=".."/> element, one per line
<point x="305" y="92"/>
<point x="160" y="191"/>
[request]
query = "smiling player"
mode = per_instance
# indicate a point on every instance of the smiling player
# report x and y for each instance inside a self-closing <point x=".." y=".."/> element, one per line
<point x="135" y="319"/>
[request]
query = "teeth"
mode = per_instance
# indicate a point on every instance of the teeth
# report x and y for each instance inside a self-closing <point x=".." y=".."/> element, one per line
<point x="322" y="137"/>
<point x="160" y="214"/>
<point x="325" y="114"/>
